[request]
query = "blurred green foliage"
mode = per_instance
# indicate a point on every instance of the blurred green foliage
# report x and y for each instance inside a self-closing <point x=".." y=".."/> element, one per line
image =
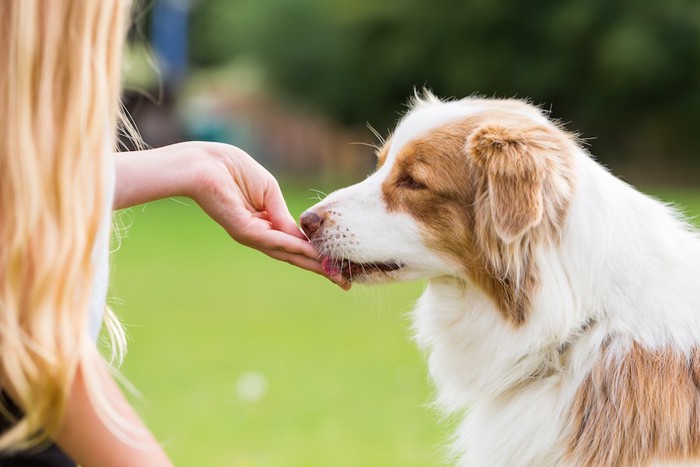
<point x="625" y="72"/>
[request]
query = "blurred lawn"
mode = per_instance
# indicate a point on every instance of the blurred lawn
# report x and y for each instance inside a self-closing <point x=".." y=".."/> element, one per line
<point x="244" y="361"/>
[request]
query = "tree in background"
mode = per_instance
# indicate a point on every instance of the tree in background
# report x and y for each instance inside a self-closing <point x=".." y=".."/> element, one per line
<point x="625" y="72"/>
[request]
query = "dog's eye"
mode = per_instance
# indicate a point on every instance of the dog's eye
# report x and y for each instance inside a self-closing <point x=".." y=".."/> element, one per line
<point x="408" y="182"/>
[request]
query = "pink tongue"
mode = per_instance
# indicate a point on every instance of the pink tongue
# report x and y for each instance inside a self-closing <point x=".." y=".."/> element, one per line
<point x="330" y="267"/>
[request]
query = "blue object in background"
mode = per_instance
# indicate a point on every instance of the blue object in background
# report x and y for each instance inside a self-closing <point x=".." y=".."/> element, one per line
<point x="169" y="39"/>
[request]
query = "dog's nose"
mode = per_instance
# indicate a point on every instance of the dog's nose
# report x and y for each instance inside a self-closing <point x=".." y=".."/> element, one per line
<point x="310" y="223"/>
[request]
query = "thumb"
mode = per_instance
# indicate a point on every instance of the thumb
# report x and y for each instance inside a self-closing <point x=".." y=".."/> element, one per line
<point x="278" y="213"/>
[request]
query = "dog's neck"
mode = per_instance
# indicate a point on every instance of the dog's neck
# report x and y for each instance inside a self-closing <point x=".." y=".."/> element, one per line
<point x="621" y="248"/>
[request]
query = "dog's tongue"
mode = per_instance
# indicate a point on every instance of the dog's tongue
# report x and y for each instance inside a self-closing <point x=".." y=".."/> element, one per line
<point x="330" y="267"/>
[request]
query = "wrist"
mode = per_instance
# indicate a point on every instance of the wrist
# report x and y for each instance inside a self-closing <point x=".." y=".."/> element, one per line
<point x="205" y="166"/>
<point x="191" y="165"/>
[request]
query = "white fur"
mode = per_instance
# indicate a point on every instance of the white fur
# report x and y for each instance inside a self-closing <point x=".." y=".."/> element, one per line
<point x="625" y="260"/>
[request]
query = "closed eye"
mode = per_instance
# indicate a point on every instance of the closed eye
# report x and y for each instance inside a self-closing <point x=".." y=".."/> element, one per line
<point x="409" y="182"/>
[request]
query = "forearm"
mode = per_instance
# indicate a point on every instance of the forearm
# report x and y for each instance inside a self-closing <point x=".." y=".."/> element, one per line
<point x="144" y="176"/>
<point x="86" y="438"/>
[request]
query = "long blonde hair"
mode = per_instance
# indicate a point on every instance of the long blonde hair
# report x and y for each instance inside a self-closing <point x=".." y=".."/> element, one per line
<point x="60" y="65"/>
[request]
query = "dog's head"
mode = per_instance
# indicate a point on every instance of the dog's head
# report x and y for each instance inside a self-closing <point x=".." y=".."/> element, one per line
<point x="466" y="188"/>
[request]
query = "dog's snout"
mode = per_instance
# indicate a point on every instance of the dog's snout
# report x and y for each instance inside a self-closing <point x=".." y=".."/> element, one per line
<point x="311" y="223"/>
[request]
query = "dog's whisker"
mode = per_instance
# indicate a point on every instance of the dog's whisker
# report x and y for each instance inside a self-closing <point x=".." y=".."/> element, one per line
<point x="376" y="134"/>
<point x="319" y="193"/>
<point x="370" y="145"/>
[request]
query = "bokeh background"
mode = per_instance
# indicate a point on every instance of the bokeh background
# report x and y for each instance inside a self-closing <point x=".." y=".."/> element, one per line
<point x="242" y="361"/>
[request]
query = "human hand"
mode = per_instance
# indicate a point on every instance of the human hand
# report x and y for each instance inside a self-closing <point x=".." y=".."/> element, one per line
<point x="245" y="199"/>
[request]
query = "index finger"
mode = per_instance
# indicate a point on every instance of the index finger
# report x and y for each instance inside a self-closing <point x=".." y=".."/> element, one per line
<point x="278" y="240"/>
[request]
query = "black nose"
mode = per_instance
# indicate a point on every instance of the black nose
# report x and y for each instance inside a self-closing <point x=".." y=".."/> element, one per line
<point x="311" y="223"/>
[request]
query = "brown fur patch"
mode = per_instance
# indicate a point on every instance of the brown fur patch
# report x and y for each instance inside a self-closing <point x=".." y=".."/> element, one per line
<point x="636" y="408"/>
<point x="447" y="189"/>
<point x="515" y="166"/>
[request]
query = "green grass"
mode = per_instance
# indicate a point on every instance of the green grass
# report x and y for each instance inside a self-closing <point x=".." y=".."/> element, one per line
<point x="343" y="385"/>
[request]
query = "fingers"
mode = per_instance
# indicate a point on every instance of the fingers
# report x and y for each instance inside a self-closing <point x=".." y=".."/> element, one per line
<point x="281" y="241"/>
<point x="293" y="250"/>
<point x="308" y="264"/>
<point x="279" y="214"/>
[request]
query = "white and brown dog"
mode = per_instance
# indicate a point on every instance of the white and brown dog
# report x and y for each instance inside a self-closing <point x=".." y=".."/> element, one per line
<point x="562" y="310"/>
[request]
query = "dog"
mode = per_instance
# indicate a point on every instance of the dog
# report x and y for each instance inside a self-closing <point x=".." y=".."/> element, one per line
<point x="562" y="309"/>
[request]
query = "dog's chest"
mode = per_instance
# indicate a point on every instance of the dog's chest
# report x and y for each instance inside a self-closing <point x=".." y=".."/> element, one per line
<point x="473" y="355"/>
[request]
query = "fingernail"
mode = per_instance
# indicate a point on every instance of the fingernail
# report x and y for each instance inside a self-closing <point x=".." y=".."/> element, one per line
<point x="340" y="281"/>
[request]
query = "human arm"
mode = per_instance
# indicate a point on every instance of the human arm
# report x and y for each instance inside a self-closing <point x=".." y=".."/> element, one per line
<point x="229" y="185"/>
<point x="85" y="437"/>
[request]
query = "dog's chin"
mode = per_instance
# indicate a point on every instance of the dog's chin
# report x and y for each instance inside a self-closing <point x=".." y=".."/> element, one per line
<point x="370" y="272"/>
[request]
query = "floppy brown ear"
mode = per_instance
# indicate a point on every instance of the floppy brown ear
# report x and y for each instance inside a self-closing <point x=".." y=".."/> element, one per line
<point x="513" y="160"/>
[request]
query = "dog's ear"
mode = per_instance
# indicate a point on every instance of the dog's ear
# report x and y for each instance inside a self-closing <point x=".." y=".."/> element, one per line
<point x="513" y="163"/>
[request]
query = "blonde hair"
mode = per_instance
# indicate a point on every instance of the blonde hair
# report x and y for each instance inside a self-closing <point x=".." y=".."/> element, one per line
<point x="59" y="98"/>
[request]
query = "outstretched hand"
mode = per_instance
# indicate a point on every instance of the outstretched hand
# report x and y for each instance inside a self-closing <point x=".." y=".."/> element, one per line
<point x="231" y="187"/>
<point x="246" y="200"/>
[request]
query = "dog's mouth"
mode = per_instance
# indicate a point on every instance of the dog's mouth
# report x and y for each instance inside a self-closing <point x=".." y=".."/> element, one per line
<point x="351" y="270"/>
